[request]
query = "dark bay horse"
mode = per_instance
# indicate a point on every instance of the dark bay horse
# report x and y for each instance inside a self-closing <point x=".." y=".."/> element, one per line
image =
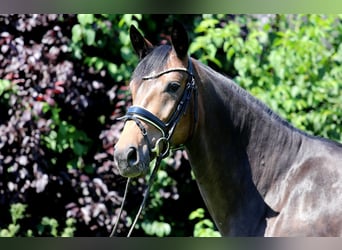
<point x="258" y="175"/>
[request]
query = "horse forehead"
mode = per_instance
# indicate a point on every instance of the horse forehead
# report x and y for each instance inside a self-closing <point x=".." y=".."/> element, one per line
<point x="172" y="62"/>
<point x="138" y="81"/>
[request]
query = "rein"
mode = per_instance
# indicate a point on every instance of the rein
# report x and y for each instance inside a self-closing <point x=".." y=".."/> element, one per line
<point x="162" y="145"/>
<point x="147" y="190"/>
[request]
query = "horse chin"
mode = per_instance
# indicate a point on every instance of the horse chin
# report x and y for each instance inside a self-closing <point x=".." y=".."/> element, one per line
<point x="136" y="171"/>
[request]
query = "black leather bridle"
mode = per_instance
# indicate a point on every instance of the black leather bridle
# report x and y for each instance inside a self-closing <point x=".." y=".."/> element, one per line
<point x="162" y="145"/>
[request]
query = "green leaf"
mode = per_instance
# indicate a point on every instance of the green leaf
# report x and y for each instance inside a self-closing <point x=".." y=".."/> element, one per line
<point x="4" y="86"/>
<point x="112" y="68"/>
<point x="80" y="149"/>
<point x="85" y="19"/>
<point x="206" y="24"/>
<point x="76" y="32"/>
<point x="126" y="53"/>
<point x="157" y="228"/>
<point x="50" y="223"/>
<point x="90" y="37"/>
<point x="13" y="229"/>
<point x="17" y="211"/>
<point x="197" y="214"/>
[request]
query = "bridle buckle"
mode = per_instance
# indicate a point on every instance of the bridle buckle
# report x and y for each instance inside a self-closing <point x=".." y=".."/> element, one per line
<point x="161" y="147"/>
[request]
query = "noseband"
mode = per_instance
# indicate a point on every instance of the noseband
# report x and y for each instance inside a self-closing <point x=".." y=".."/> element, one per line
<point x="139" y="114"/>
<point x="162" y="145"/>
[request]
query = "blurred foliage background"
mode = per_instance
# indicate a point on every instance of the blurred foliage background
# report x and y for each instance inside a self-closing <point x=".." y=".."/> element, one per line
<point x="63" y="82"/>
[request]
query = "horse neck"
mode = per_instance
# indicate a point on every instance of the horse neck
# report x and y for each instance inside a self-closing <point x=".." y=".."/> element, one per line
<point x="238" y="142"/>
<point x="233" y="120"/>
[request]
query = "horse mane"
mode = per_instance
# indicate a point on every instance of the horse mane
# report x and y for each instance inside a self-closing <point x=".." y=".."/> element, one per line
<point x="251" y="100"/>
<point x="153" y="61"/>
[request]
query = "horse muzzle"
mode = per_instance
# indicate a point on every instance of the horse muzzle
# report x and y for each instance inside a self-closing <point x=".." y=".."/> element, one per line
<point x="132" y="161"/>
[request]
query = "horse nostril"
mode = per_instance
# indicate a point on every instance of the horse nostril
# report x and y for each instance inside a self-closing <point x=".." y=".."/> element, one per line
<point x="132" y="157"/>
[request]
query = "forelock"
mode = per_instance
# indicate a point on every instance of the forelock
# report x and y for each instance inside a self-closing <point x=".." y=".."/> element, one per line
<point x="155" y="61"/>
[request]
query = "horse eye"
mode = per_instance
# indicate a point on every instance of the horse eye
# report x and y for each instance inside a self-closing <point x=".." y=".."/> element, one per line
<point x="173" y="87"/>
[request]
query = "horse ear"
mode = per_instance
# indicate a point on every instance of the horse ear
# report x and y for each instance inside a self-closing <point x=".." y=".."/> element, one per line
<point x="179" y="39"/>
<point x="140" y="44"/>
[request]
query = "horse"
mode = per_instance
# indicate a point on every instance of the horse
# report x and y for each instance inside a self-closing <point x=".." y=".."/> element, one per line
<point x="258" y="175"/>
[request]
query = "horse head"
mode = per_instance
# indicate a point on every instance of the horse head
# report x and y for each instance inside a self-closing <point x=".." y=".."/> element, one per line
<point x="161" y="87"/>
